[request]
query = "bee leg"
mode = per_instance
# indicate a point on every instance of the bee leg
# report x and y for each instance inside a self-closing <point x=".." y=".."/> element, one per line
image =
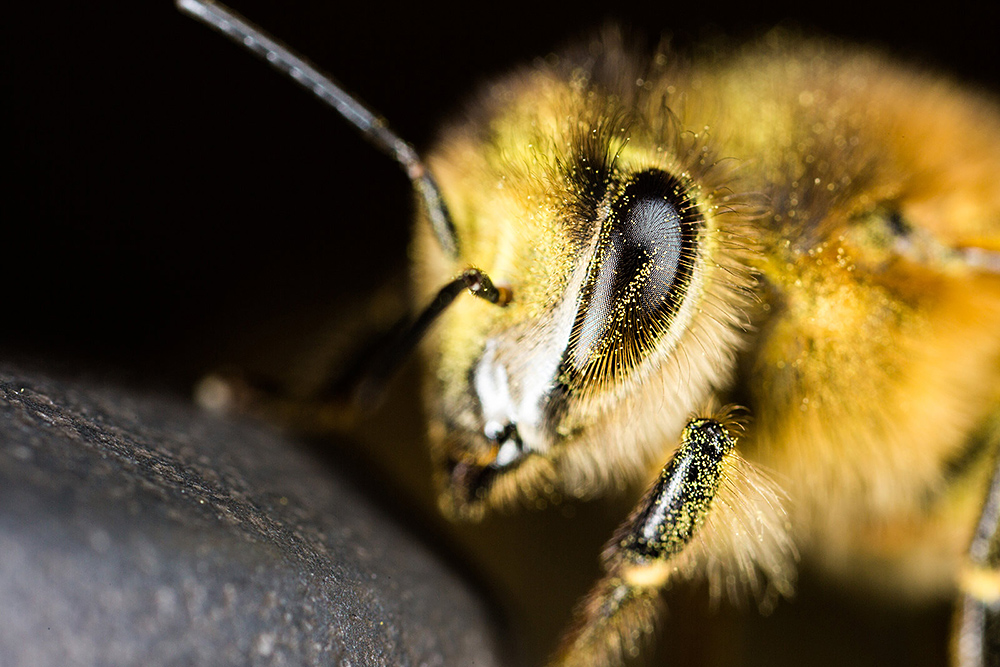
<point x="618" y="616"/>
<point x="237" y="393"/>
<point x="316" y="398"/>
<point x="976" y="639"/>
<point x="361" y="386"/>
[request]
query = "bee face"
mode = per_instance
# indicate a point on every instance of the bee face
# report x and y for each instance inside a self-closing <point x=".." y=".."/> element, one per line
<point x="628" y="259"/>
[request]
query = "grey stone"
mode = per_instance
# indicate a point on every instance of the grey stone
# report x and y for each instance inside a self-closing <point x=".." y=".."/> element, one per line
<point x="138" y="530"/>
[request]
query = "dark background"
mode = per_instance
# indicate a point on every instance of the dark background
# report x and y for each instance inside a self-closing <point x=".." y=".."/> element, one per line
<point x="167" y="197"/>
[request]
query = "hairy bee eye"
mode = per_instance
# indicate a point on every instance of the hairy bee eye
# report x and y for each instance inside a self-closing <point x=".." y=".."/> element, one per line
<point x="637" y="278"/>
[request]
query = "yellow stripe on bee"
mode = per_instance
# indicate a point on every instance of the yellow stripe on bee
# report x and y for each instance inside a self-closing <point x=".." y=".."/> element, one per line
<point x="981" y="583"/>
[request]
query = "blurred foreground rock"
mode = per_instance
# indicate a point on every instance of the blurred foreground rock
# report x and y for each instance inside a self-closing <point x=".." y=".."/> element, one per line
<point x="137" y="530"/>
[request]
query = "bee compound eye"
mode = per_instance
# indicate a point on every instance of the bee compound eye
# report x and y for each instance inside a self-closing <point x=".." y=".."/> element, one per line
<point x="639" y="272"/>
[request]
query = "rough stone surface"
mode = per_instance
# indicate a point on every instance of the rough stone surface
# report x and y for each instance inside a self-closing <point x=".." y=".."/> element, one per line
<point x="136" y="530"/>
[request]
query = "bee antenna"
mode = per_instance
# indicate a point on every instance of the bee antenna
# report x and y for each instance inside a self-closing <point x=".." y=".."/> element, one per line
<point x="371" y="387"/>
<point x="372" y="126"/>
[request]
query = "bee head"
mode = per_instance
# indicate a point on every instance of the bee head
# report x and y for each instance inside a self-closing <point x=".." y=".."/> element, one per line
<point x="625" y="250"/>
<point x="576" y="187"/>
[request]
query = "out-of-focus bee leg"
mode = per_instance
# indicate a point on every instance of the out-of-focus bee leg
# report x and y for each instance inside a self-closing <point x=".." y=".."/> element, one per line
<point x="311" y="389"/>
<point x="240" y="394"/>
<point x="976" y="641"/>
<point x="617" y="618"/>
<point x="360" y="386"/>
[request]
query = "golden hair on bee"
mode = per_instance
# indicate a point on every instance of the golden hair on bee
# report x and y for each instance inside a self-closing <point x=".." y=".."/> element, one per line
<point x="533" y="184"/>
<point x="807" y="229"/>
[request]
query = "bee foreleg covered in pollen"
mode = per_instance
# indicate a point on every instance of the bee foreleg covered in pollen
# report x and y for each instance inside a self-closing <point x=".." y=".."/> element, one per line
<point x="702" y="497"/>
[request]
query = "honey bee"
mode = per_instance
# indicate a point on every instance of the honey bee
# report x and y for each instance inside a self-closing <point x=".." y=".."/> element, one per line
<point x="808" y="231"/>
